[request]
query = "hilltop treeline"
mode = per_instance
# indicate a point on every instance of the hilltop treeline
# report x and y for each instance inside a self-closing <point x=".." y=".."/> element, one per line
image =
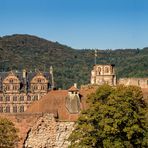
<point x="70" y="65"/>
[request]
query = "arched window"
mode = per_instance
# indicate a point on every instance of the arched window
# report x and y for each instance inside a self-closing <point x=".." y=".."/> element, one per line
<point x="15" y="109"/>
<point x="106" y="70"/>
<point x="1" y="109"/>
<point x="7" y="109"/>
<point x="21" y="108"/>
<point x="99" y="70"/>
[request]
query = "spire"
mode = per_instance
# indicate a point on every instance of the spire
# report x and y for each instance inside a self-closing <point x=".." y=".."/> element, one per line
<point x="52" y="78"/>
<point x="25" y="80"/>
<point x="95" y="56"/>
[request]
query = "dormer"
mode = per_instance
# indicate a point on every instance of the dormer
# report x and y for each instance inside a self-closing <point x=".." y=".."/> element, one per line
<point x="39" y="83"/>
<point x="73" y="90"/>
<point x="11" y="84"/>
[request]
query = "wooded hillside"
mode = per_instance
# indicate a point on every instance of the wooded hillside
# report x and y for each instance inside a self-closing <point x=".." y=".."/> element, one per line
<point x="70" y="65"/>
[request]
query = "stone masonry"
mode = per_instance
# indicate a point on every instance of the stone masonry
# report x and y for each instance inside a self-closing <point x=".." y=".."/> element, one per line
<point x="48" y="133"/>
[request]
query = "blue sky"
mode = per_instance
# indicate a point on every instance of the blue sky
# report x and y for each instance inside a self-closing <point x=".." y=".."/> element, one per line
<point x="80" y="24"/>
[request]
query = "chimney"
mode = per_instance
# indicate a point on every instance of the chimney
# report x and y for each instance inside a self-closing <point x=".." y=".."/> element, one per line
<point x="75" y="85"/>
<point x="25" y="80"/>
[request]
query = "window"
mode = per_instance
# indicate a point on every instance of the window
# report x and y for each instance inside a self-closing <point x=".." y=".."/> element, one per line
<point x="14" y="98"/>
<point x="21" y="108"/>
<point x="106" y="70"/>
<point x="42" y="87"/>
<point x="1" y="98"/>
<point x="7" y="109"/>
<point x="28" y="98"/>
<point x="1" y="109"/>
<point x="35" y="87"/>
<point x="39" y="80"/>
<point x="7" y="87"/>
<point x="7" y="98"/>
<point x="11" y="81"/>
<point x="99" y="71"/>
<point x="15" y="109"/>
<point x="138" y="82"/>
<point x="35" y="98"/>
<point x="15" y="87"/>
<point x="21" y="98"/>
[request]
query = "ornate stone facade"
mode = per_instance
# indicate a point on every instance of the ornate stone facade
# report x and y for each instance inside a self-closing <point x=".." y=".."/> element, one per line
<point x="19" y="89"/>
<point x="102" y="74"/>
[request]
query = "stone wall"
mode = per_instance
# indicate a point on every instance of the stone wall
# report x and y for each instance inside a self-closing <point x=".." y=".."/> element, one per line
<point x="23" y="122"/>
<point x="141" y="82"/>
<point x="49" y="133"/>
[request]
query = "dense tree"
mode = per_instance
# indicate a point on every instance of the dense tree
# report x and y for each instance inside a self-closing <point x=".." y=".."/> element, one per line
<point x="115" y="119"/>
<point x="8" y="134"/>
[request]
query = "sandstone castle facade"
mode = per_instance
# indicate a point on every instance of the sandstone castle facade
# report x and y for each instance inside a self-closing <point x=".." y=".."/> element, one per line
<point x="102" y="74"/>
<point x="19" y="89"/>
<point x="49" y="121"/>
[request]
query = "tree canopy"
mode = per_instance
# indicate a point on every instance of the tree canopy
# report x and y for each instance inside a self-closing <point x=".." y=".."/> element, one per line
<point x="8" y="134"/>
<point x="116" y="118"/>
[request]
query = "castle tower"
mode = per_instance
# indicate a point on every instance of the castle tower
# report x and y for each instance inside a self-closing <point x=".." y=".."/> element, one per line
<point x="103" y="74"/>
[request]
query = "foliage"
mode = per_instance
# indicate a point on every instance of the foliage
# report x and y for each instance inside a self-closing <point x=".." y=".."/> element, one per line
<point x="115" y="119"/>
<point x="70" y="65"/>
<point x="8" y="134"/>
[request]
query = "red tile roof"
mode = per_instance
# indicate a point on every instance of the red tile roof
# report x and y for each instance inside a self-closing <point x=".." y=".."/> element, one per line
<point x="73" y="88"/>
<point x="54" y="102"/>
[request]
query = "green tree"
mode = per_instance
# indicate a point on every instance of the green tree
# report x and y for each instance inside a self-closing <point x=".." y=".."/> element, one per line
<point x="115" y="119"/>
<point x="8" y="134"/>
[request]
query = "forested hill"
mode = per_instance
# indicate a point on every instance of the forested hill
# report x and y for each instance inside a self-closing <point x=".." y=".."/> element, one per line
<point x="70" y="65"/>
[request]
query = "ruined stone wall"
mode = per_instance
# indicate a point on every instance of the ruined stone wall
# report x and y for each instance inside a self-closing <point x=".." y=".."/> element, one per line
<point x="41" y="130"/>
<point x="102" y="74"/>
<point x="141" y="82"/>
<point x="49" y="133"/>
<point x="23" y="122"/>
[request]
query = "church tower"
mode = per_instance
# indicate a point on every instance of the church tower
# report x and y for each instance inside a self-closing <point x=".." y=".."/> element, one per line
<point x="103" y="74"/>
